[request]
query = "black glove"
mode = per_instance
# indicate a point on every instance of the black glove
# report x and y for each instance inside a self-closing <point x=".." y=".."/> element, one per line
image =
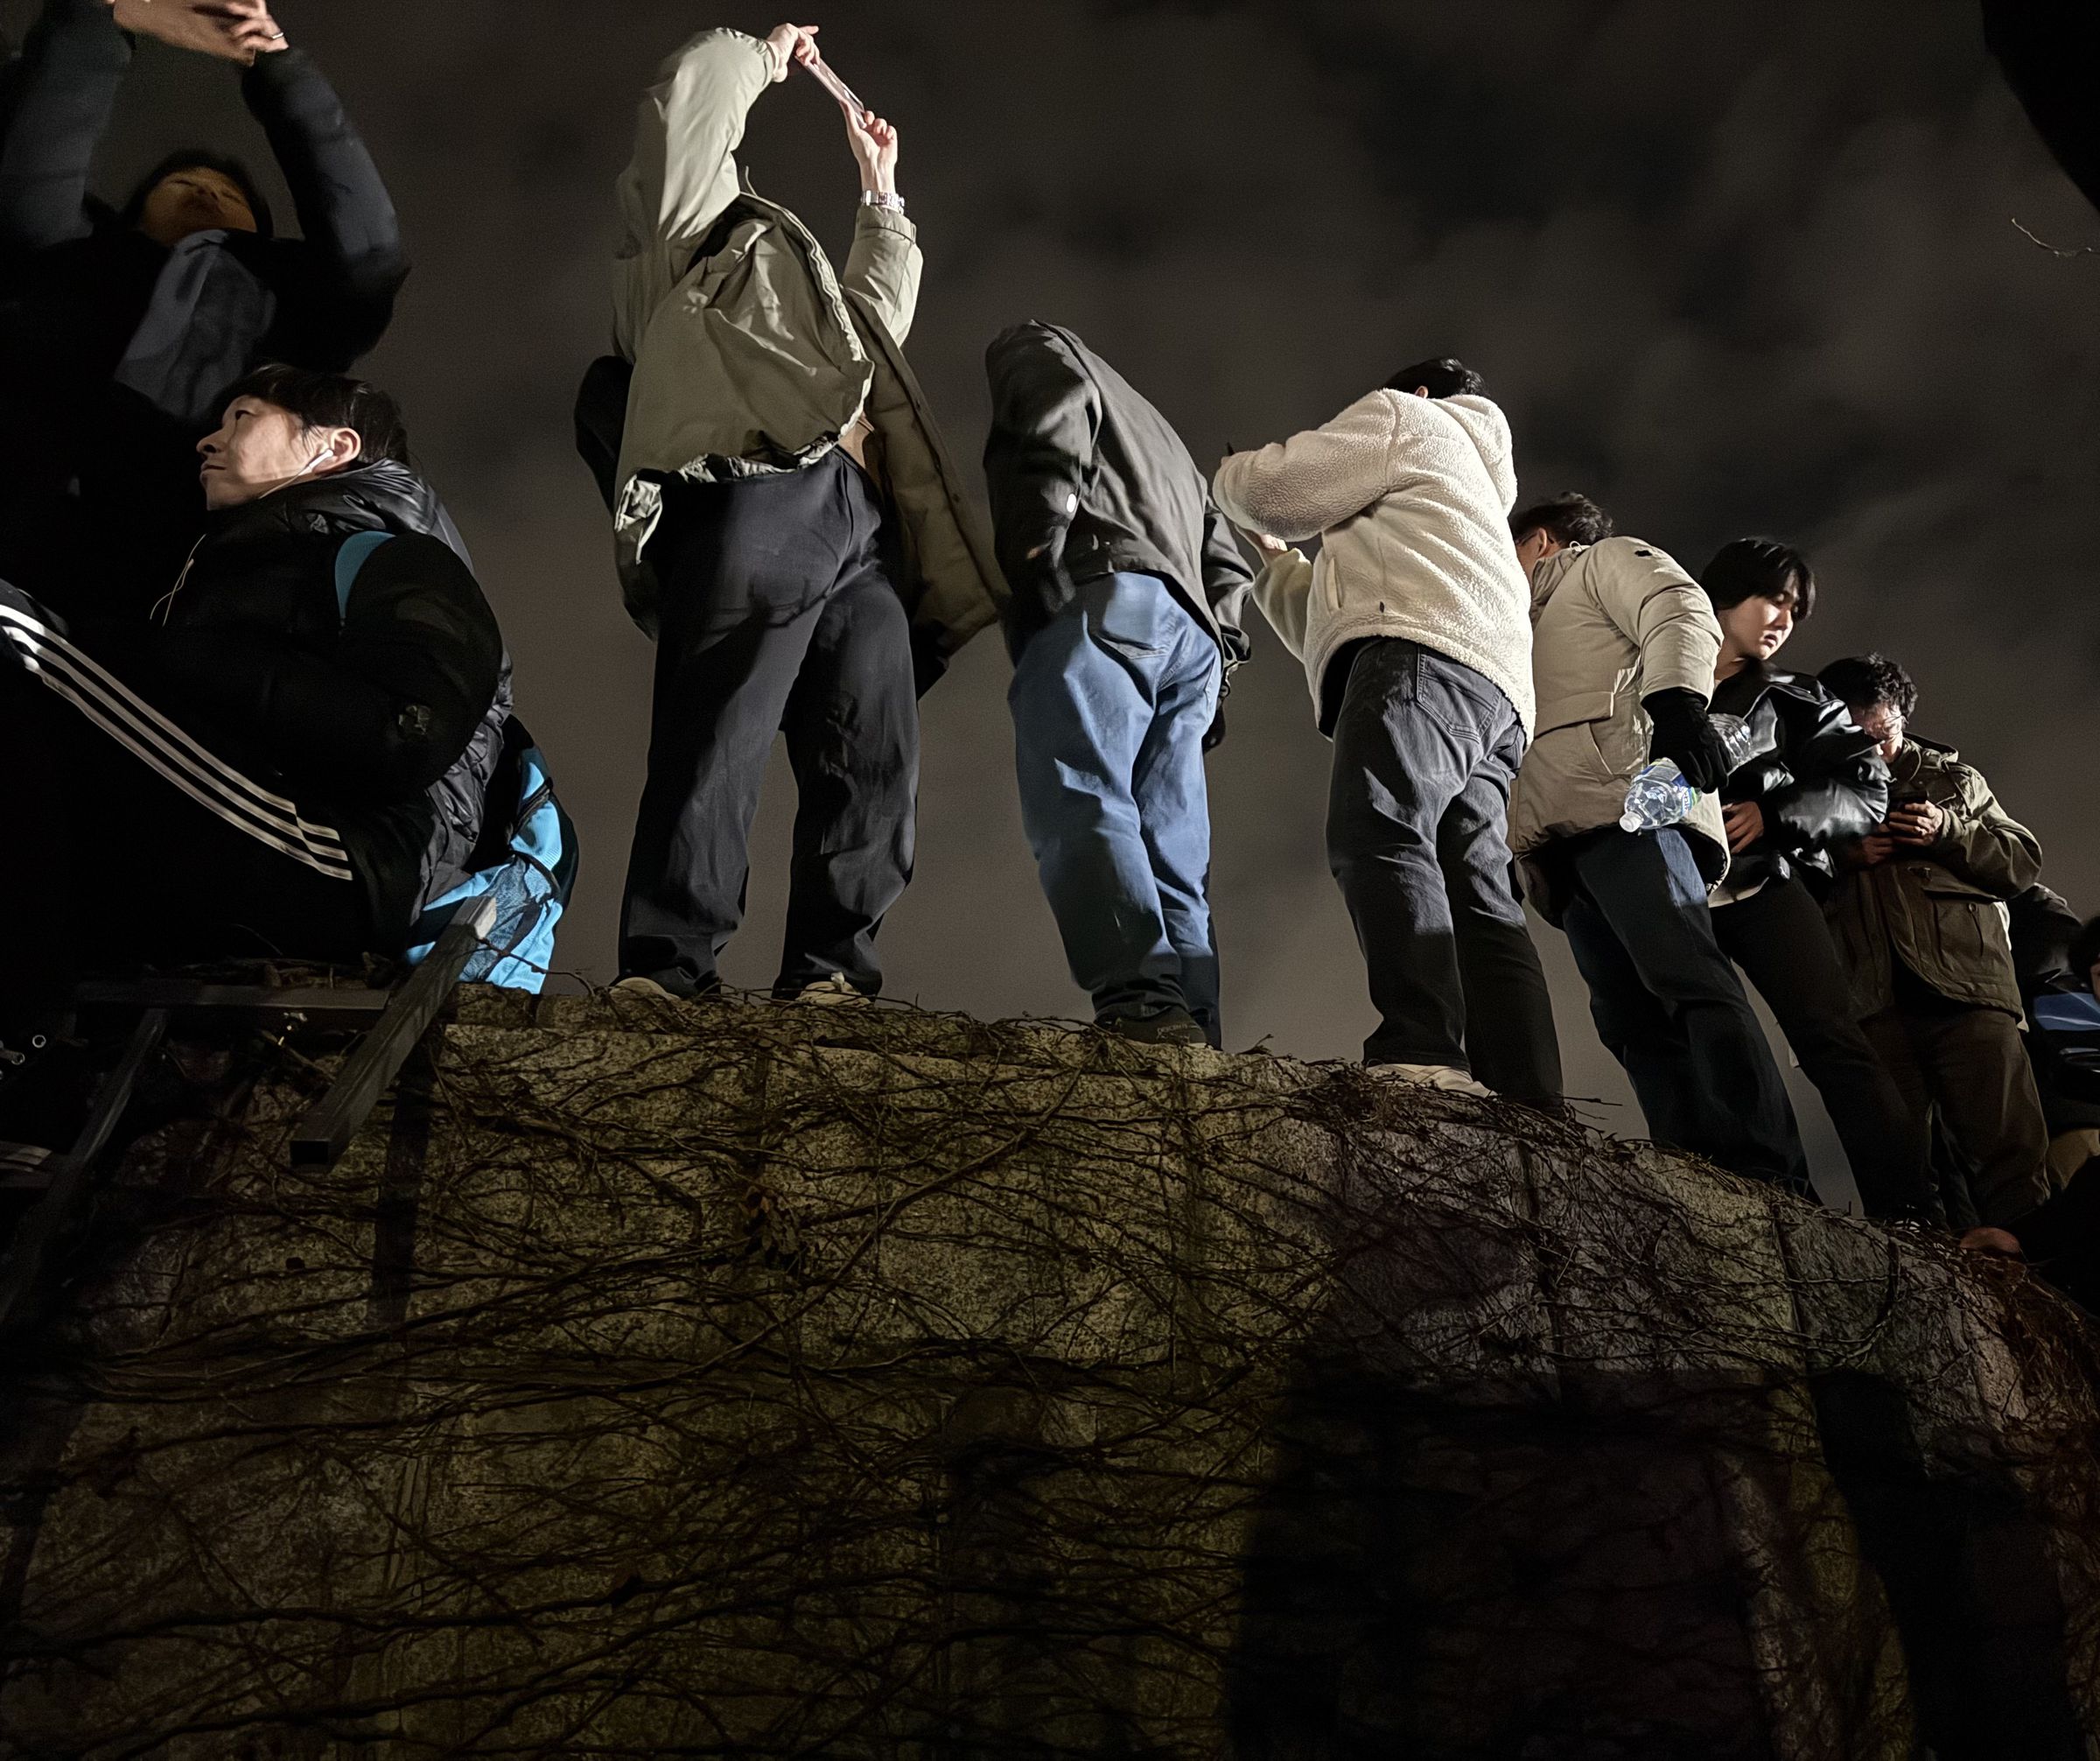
<point x="1686" y="736"/>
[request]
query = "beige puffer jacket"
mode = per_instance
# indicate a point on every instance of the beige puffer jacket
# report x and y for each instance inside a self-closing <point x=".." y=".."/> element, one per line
<point x="1612" y="623"/>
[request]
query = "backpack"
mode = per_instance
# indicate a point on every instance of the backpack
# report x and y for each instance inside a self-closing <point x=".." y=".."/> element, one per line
<point x="526" y="857"/>
<point x="525" y="853"/>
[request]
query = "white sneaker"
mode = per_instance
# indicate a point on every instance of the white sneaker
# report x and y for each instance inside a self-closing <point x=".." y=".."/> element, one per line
<point x="1447" y="1078"/>
<point x="835" y="989"/>
<point x="637" y="986"/>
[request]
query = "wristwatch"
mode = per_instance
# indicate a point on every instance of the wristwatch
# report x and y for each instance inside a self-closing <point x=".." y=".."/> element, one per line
<point x="876" y="198"/>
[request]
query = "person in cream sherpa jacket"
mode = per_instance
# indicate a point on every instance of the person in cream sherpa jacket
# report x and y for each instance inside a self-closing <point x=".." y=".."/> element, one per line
<point x="1415" y="630"/>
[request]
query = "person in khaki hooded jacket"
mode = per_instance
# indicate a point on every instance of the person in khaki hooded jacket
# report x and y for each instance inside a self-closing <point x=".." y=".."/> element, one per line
<point x="1624" y="648"/>
<point x="1919" y="922"/>
<point x="787" y="524"/>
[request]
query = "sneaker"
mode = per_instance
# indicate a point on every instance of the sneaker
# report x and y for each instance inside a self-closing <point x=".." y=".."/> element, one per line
<point x="1172" y="1026"/>
<point x="667" y="987"/>
<point x="1448" y="1077"/>
<point x="835" y="989"/>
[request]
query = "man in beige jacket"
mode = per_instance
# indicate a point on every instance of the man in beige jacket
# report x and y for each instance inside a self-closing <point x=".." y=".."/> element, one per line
<point x="1414" y="630"/>
<point x="1623" y="660"/>
<point x="788" y="525"/>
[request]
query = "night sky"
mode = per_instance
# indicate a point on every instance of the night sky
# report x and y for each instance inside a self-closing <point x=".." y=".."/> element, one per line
<point x="1745" y="265"/>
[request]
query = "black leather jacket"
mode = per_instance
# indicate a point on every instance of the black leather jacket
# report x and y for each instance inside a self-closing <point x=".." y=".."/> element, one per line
<point x="1080" y="466"/>
<point x="1819" y="780"/>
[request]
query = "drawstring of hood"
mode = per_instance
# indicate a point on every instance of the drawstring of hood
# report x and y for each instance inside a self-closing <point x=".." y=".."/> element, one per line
<point x="163" y="607"/>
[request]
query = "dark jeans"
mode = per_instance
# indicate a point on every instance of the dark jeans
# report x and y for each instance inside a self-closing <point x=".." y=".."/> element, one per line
<point x="1418" y="838"/>
<point x="1968" y="1063"/>
<point x="131" y="842"/>
<point x="1779" y="937"/>
<point x="1669" y="1007"/>
<point x="1111" y="700"/>
<point x="776" y="615"/>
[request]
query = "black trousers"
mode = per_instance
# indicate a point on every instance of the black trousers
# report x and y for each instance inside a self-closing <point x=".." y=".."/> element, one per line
<point x="1965" y="1065"/>
<point x="131" y="842"/>
<point x="1418" y="838"/>
<point x="1669" y="1007"/>
<point x="777" y="614"/>
<point x="1779" y="937"/>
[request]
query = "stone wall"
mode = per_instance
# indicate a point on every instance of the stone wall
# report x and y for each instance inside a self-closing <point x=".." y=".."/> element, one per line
<point x="752" y="1380"/>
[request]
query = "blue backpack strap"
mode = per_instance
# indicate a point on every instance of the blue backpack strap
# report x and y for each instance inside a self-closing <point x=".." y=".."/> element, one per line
<point x="348" y="560"/>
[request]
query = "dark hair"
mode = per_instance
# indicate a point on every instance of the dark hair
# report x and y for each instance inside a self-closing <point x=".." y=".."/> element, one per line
<point x="2084" y="953"/>
<point x="330" y="400"/>
<point x="1572" y="519"/>
<point x="1870" y="682"/>
<point x="1759" y="568"/>
<point x="202" y="159"/>
<point x="1445" y="378"/>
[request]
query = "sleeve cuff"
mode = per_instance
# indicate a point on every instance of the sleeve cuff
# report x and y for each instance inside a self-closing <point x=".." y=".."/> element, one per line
<point x="886" y="220"/>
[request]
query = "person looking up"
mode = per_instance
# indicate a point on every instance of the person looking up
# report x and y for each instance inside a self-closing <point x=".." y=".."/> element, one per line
<point x="121" y="326"/>
<point x="290" y="755"/>
<point x="1625" y="645"/>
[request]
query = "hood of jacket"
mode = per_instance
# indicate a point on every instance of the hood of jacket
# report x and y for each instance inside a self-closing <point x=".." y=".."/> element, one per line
<point x="1087" y="478"/>
<point x="1483" y="423"/>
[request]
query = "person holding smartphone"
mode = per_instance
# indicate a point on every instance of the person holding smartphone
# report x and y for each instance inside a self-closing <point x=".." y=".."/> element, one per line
<point x="789" y="527"/>
<point x="1919" y="919"/>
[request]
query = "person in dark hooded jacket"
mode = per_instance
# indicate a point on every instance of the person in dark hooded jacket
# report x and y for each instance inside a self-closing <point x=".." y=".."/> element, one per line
<point x="119" y="327"/>
<point x="1127" y="586"/>
<point x="289" y="753"/>
<point x="1808" y="780"/>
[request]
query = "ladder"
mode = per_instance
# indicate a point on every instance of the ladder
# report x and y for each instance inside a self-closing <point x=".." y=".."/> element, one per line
<point x="62" y="1185"/>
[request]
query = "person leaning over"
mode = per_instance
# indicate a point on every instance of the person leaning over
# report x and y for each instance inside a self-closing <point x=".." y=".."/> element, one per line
<point x="1413" y="629"/>
<point x="291" y="754"/>
<point x="1625" y="648"/>
<point x="1918" y="922"/>
<point x="123" y="328"/>
<point x="787" y="524"/>
<point x="1127" y="585"/>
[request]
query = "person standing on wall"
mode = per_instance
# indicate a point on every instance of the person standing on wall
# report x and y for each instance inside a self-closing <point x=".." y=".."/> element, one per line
<point x="1918" y="922"/>
<point x="1127" y="586"/>
<point x="788" y="526"/>
<point x="1414" y="631"/>
<point x="1806" y="780"/>
<point x="1627" y="647"/>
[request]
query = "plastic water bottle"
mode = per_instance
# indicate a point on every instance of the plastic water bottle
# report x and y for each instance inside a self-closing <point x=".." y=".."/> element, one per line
<point x="1659" y="795"/>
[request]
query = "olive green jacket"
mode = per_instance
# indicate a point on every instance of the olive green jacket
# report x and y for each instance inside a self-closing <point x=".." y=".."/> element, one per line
<point x="1938" y="910"/>
<point x="754" y="358"/>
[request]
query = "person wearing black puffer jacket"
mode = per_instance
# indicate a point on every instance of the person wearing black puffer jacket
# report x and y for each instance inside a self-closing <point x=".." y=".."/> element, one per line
<point x="1811" y="780"/>
<point x="120" y="325"/>
<point x="291" y="754"/>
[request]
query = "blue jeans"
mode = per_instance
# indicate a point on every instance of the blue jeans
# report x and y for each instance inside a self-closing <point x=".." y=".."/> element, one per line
<point x="1669" y="1007"/>
<point x="1111" y="700"/>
